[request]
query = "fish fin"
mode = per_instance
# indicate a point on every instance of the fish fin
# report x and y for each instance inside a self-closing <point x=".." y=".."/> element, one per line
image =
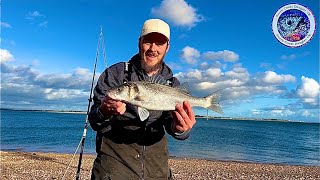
<point x="143" y="113"/>
<point x="158" y="79"/>
<point x="214" y="102"/>
<point x="184" y="87"/>
<point x="217" y="108"/>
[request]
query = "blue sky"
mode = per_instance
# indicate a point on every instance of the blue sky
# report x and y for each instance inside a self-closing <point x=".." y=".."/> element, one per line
<point x="48" y="50"/>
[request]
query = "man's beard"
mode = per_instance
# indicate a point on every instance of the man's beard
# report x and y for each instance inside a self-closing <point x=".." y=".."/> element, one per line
<point x="149" y="68"/>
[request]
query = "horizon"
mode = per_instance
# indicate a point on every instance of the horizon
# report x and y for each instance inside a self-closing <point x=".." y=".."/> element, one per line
<point x="196" y="115"/>
<point x="48" y="51"/>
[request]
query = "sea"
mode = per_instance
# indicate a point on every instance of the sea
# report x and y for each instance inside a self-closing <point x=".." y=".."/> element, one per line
<point x="291" y="143"/>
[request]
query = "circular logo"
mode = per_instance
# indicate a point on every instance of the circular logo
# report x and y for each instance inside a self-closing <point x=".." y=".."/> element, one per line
<point x="293" y="25"/>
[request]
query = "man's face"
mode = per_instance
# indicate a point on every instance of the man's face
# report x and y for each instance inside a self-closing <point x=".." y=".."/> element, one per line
<point x="153" y="47"/>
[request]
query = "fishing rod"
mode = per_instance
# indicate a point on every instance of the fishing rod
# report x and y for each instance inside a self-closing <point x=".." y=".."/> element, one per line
<point x="82" y="141"/>
<point x="101" y="39"/>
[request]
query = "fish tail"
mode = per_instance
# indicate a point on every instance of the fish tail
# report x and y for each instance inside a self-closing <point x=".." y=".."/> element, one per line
<point x="214" y="99"/>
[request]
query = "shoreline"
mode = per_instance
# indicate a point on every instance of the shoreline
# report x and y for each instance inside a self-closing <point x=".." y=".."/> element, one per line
<point x="21" y="150"/>
<point x="266" y="119"/>
<point x="42" y="165"/>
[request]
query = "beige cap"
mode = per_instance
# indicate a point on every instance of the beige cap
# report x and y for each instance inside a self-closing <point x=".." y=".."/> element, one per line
<point x="155" y="25"/>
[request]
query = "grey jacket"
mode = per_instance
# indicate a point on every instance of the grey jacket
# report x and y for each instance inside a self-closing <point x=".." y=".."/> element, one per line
<point x="127" y="147"/>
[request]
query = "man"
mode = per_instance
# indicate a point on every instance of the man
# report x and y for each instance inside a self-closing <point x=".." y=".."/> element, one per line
<point x="128" y="148"/>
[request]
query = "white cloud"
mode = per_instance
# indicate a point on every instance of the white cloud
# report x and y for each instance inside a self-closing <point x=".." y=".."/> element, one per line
<point x="282" y="112"/>
<point x="255" y="112"/>
<point x="5" y="25"/>
<point x="6" y="56"/>
<point x="64" y="94"/>
<point x="306" y="113"/>
<point x="206" y="85"/>
<point x="24" y="84"/>
<point x="237" y="84"/>
<point x="225" y="55"/>
<point x="84" y="73"/>
<point x="308" y="91"/>
<point x="294" y="56"/>
<point x="239" y="73"/>
<point x="175" y="65"/>
<point x="81" y="71"/>
<point x="79" y="79"/>
<point x="269" y="89"/>
<point x="213" y="72"/>
<point x="271" y="77"/>
<point x="195" y="74"/>
<point x="288" y="112"/>
<point x="54" y="80"/>
<point x="43" y="24"/>
<point x="179" y="12"/>
<point x="33" y="15"/>
<point x="190" y="55"/>
<point x="204" y="65"/>
<point x="241" y="92"/>
<point x="36" y="17"/>
<point x="288" y="57"/>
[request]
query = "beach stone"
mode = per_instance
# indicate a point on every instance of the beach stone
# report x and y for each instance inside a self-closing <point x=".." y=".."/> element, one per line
<point x="22" y="165"/>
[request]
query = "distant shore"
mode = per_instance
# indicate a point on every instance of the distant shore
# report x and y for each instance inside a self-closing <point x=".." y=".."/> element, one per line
<point x="34" y="165"/>
<point x="241" y="118"/>
<point x="68" y="112"/>
<point x="52" y="111"/>
<point x="197" y="116"/>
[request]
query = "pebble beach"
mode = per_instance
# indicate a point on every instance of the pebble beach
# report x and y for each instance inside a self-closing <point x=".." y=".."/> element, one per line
<point x="35" y="165"/>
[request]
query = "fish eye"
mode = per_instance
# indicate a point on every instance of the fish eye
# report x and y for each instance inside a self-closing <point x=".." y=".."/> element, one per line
<point x="289" y="22"/>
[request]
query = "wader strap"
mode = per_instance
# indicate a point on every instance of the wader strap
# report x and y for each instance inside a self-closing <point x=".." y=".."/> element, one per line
<point x="127" y="72"/>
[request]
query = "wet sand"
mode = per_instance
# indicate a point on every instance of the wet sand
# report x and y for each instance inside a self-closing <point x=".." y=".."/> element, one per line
<point x="28" y="165"/>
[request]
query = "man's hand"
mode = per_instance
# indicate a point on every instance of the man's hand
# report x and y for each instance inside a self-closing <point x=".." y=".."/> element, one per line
<point x="110" y="107"/>
<point x="183" y="118"/>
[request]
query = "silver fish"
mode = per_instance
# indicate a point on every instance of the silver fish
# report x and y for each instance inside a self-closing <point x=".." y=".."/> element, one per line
<point x="153" y="96"/>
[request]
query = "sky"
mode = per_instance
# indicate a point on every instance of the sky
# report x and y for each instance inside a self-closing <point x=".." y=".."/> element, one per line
<point x="48" y="49"/>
